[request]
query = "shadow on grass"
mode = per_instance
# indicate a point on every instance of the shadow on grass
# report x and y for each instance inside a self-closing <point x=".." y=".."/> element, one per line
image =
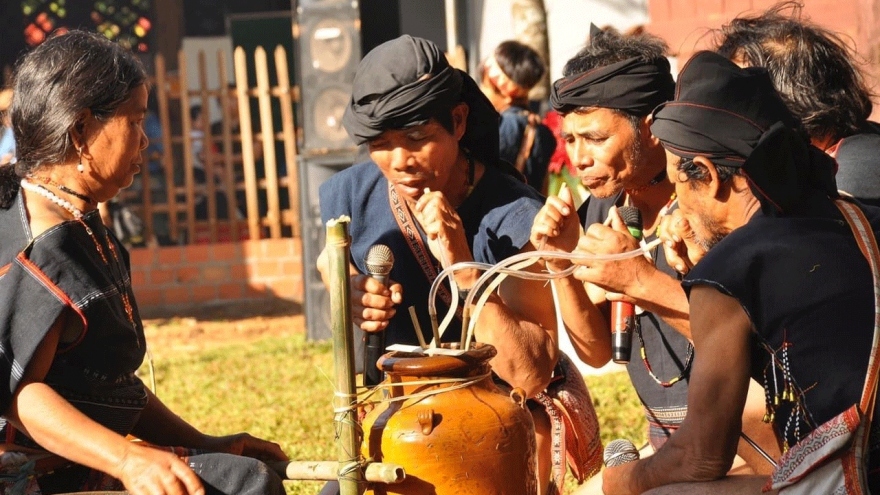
<point x="224" y="310"/>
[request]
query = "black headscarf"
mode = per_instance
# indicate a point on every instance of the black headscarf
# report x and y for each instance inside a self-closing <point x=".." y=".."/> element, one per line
<point x="735" y="117"/>
<point x="631" y="85"/>
<point x="407" y="81"/>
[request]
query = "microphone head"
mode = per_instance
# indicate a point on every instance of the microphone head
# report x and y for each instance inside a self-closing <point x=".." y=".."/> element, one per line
<point x="379" y="260"/>
<point x="632" y="218"/>
<point x="619" y="452"/>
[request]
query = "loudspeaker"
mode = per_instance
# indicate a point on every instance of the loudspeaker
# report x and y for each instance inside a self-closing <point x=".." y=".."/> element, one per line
<point x="313" y="171"/>
<point x="328" y="46"/>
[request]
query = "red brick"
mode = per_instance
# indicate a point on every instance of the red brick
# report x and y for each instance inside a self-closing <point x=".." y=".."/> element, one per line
<point x="142" y="256"/>
<point x="187" y="274"/>
<point x="278" y="248"/>
<point x="138" y="277"/>
<point x="256" y="289"/>
<point x="177" y="295"/>
<point x="204" y="293"/>
<point x="228" y="251"/>
<point x="266" y="269"/>
<point x="230" y="291"/>
<point x="682" y="9"/>
<point x="215" y="274"/>
<point x="289" y="268"/>
<point x="170" y="255"/>
<point x="161" y="276"/>
<point x="252" y="250"/>
<point x="198" y="253"/>
<point x="147" y="297"/>
<point x="239" y="272"/>
<point x="284" y="288"/>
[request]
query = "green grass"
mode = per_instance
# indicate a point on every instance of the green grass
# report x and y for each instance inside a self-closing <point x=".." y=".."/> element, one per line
<point x="280" y="388"/>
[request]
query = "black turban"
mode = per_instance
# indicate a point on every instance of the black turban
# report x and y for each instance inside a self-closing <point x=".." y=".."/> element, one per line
<point x="632" y="85"/>
<point x="735" y="117"/>
<point x="407" y="81"/>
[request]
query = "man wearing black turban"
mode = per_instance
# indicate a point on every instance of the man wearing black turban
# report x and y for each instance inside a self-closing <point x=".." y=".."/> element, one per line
<point x="606" y="97"/>
<point x="779" y="288"/>
<point x="436" y="194"/>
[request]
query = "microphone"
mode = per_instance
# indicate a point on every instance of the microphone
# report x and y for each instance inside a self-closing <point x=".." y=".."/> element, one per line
<point x="379" y="261"/>
<point x="623" y="314"/>
<point x="619" y="452"/>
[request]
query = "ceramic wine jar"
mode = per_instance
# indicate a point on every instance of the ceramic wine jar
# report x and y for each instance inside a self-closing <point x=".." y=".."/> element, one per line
<point x="455" y="438"/>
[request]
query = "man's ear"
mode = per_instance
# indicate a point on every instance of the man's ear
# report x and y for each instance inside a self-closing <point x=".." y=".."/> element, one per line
<point x="459" y="120"/>
<point x="712" y="181"/>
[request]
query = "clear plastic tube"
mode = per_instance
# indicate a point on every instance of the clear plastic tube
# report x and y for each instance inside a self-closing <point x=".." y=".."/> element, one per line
<point x="504" y="268"/>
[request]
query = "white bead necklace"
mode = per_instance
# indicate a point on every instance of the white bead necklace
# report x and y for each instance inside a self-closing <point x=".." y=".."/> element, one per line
<point x="42" y="191"/>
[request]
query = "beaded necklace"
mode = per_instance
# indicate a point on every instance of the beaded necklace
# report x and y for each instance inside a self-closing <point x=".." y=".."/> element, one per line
<point x="642" y="351"/>
<point x="65" y="189"/>
<point x="78" y="215"/>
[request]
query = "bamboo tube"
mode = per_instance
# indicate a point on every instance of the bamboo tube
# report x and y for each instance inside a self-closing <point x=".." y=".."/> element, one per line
<point x="338" y="245"/>
<point x="376" y="472"/>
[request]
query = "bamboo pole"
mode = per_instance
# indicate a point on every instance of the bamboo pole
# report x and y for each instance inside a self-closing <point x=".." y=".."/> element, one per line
<point x="247" y="143"/>
<point x="267" y="131"/>
<point x="228" y="162"/>
<point x="189" y="180"/>
<point x="338" y="245"/>
<point x="289" y="134"/>
<point x="375" y="472"/>
<point x="207" y="148"/>
<point x="167" y="162"/>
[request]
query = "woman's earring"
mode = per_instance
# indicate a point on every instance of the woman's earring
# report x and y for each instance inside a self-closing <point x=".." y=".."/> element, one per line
<point x="80" y="167"/>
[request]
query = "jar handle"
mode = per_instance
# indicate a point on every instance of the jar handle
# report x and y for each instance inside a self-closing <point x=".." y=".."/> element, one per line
<point x="518" y="396"/>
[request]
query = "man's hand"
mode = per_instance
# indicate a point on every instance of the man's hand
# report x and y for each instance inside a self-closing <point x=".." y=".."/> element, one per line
<point x="249" y="446"/>
<point x="443" y="228"/>
<point x="557" y="228"/>
<point x="613" y="276"/>
<point x="372" y="303"/>
<point x="149" y="471"/>
<point x="679" y="242"/>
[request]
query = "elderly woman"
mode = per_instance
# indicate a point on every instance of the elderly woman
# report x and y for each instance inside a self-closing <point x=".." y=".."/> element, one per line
<point x="436" y="193"/>
<point x="70" y="331"/>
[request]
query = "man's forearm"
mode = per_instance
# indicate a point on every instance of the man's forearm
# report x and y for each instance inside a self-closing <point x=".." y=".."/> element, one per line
<point x="586" y="325"/>
<point x="662" y="295"/>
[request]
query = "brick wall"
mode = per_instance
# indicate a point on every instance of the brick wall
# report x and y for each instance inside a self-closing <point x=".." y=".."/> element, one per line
<point x="178" y="276"/>
<point x="686" y="25"/>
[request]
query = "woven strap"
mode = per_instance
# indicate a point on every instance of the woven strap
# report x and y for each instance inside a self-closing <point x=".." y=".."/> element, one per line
<point x="868" y="245"/>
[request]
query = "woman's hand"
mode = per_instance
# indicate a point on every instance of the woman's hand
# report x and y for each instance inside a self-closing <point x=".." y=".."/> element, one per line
<point x="373" y="303"/>
<point x="248" y="445"/>
<point x="556" y="228"/>
<point x="146" y="470"/>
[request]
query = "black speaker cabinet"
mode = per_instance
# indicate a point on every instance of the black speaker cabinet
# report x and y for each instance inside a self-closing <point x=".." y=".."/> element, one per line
<point x="313" y="171"/>
<point x="328" y="49"/>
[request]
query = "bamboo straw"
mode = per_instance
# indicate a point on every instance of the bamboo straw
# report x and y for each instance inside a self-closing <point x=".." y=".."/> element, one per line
<point x="338" y="245"/>
<point x="418" y="327"/>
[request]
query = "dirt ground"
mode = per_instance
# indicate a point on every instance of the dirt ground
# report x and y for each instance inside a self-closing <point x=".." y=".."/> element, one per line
<point x="209" y="326"/>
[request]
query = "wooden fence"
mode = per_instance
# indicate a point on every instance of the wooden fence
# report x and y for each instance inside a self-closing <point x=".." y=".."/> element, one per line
<point x="240" y="166"/>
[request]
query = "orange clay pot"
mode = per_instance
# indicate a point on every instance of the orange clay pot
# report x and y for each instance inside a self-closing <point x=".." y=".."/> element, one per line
<point x="472" y="440"/>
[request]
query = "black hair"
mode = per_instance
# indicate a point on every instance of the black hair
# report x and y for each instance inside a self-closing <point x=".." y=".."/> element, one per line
<point x="520" y="62"/>
<point x="607" y="47"/>
<point x="695" y="172"/>
<point x="812" y="68"/>
<point x="54" y="84"/>
<point x="195" y="112"/>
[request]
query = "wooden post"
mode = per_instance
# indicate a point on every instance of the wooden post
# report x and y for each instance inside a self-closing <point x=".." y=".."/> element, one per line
<point x="228" y="161"/>
<point x="167" y="162"/>
<point x="188" y="181"/>
<point x="287" y="127"/>
<point x="338" y="245"/>
<point x="267" y="132"/>
<point x="207" y="149"/>
<point x="247" y="143"/>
